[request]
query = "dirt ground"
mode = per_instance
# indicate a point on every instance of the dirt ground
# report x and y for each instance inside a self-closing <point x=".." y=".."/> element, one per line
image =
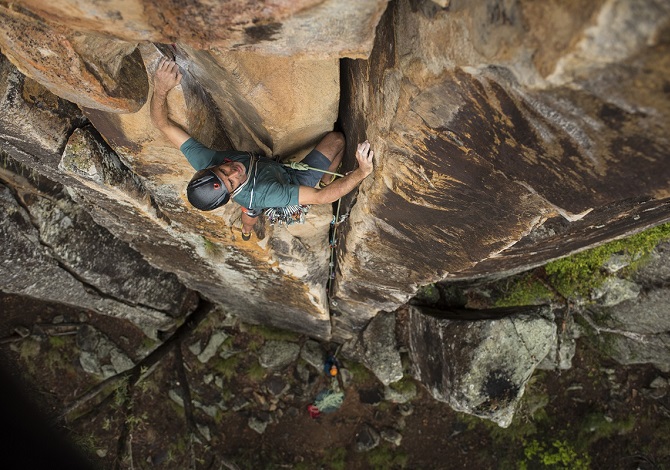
<point x="596" y="415"/>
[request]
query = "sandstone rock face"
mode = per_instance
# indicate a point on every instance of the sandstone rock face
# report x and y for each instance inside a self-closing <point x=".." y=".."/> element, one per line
<point x="287" y="270"/>
<point x="212" y="262"/>
<point x="499" y="141"/>
<point x="89" y="70"/>
<point x="132" y="194"/>
<point x="331" y="28"/>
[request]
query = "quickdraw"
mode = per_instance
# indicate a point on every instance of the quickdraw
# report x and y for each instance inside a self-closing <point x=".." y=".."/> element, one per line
<point x="286" y="215"/>
<point x="333" y="244"/>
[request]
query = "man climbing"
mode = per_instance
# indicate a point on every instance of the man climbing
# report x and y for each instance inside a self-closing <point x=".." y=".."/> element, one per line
<point x="256" y="183"/>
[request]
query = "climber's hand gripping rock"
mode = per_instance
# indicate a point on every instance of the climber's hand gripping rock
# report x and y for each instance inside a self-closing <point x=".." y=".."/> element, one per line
<point x="167" y="76"/>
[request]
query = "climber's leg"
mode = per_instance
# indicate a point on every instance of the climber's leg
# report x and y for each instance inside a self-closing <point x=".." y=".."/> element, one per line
<point x="332" y="147"/>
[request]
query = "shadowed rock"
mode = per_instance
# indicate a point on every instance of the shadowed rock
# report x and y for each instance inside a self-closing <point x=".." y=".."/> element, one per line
<point x="33" y="120"/>
<point x="479" y="367"/>
<point x="30" y="267"/>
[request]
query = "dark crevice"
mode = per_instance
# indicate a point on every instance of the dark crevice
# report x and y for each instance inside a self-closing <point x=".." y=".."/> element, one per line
<point x="352" y="121"/>
<point x="80" y="123"/>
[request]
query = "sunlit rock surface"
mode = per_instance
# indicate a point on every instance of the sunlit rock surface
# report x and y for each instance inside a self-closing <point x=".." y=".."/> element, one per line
<point x="333" y="28"/>
<point x="86" y="69"/>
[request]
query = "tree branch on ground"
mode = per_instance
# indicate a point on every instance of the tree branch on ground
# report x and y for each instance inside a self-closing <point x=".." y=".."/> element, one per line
<point x="198" y="315"/>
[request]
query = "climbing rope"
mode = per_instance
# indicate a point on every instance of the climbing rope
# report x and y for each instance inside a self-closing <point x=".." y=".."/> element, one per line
<point x="329" y="401"/>
<point x="304" y="167"/>
<point x="333" y="244"/>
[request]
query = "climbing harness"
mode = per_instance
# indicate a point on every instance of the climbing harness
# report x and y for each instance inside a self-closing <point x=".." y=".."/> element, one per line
<point x="292" y="214"/>
<point x="296" y="214"/>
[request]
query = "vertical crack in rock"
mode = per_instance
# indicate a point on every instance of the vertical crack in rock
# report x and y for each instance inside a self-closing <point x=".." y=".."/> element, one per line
<point x="203" y="113"/>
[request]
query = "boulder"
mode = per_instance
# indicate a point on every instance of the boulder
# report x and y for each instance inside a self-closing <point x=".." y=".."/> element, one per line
<point x="646" y="315"/>
<point x="401" y="395"/>
<point x="636" y="331"/>
<point x="479" y="367"/>
<point x="380" y="348"/>
<point x="656" y="267"/>
<point x="215" y="341"/>
<point x="278" y="354"/>
<point x="367" y="438"/>
<point x="99" y="355"/>
<point x="313" y="354"/>
<point x="614" y="291"/>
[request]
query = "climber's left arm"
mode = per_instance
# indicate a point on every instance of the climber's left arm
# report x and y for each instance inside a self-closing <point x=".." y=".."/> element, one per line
<point x="166" y="78"/>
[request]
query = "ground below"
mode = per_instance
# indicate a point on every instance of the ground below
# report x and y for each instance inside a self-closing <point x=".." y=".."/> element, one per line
<point x="596" y="415"/>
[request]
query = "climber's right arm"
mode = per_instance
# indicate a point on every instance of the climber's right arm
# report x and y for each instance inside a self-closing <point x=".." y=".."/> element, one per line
<point x="166" y="78"/>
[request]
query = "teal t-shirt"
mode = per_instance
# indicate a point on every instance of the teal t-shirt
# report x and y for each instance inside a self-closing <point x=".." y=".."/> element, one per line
<point x="273" y="184"/>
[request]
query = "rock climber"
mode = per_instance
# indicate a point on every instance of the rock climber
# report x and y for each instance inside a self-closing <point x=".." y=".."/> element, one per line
<point x="255" y="183"/>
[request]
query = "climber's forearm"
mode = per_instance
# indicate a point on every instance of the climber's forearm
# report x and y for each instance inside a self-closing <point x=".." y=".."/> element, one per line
<point x="158" y="109"/>
<point x="342" y="186"/>
<point x="159" y="117"/>
<point x="333" y="191"/>
<point x="167" y="77"/>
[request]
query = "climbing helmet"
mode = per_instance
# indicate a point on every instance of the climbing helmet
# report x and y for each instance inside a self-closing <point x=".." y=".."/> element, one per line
<point x="206" y="191"/>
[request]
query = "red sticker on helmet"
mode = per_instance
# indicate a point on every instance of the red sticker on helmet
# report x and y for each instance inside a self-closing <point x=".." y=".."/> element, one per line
<point x="217" y="185"/>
